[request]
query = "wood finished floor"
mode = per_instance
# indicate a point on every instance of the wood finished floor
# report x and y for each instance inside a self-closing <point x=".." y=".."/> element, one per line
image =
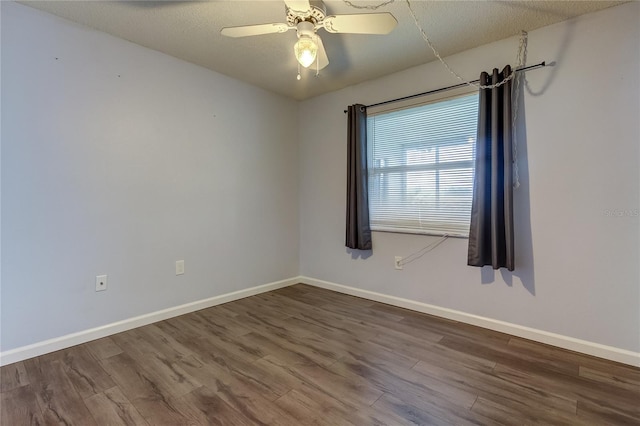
<point x="307" y="356"/>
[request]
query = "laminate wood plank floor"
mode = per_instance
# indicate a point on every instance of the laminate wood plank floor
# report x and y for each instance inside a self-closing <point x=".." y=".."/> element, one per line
<point x="308" y="356"/>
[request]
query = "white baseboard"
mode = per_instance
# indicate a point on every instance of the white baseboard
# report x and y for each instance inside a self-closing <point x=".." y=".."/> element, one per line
<point x="62" y="342"/>
<point x="566" y="342"/>
<point x="590" y="348"/>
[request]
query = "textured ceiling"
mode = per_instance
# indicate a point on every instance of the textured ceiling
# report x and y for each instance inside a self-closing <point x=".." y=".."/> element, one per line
<point x="191" y="31"/>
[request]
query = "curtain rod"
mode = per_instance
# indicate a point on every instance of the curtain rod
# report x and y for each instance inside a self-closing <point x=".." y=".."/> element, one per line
<point x="455" y="86"/>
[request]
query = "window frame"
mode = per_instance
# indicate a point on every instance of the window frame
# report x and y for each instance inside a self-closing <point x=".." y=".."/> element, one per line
<point x="437" y="167"/>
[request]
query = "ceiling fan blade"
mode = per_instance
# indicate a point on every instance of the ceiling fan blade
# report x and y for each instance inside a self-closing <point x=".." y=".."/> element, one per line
<point x="298" y="5"/>
<point x="365" y="23"/>
<point x="252" y="30"/>
<point x="322" y="58"/>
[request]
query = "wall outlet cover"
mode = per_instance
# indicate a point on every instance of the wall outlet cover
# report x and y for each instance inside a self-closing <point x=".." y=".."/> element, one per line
<point x="398" y="262"/>
<point x="179" y="267"/>
<point x="101" y="282"/>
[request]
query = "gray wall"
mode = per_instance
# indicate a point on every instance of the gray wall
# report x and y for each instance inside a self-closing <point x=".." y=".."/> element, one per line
<point x="120" y="160"/>
<point x="577" y="261"/>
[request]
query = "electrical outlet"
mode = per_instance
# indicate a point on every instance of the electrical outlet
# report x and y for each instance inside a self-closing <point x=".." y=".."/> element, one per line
<point x="179" y="267"/>
<point x="101" y="283"/>
<point x="398" y="263"/>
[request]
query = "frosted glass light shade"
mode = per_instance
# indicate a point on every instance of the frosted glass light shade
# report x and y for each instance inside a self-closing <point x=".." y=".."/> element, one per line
<point x="305" y="50"/>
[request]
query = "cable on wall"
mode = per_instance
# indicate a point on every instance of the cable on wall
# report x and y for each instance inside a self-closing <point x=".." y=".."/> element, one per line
<point x="369" y="7"/>
<point x="418" y="254"/>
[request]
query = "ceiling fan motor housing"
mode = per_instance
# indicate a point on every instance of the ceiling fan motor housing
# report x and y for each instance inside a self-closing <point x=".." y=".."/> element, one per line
<point x="315" y="14"/>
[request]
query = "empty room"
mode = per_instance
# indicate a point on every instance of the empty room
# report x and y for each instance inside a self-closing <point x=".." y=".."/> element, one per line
<point x="304" y="212"/>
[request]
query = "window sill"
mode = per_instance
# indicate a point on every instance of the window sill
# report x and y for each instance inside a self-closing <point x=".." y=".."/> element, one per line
<point x="420" y="232"/>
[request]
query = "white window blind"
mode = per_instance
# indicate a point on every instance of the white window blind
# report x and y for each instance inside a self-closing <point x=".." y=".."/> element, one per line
<point x="421" y="165"/>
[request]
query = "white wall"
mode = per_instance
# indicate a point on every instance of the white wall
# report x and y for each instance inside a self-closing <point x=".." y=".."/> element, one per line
<point x="577" y="268"/>
<point x="120" y="160"/>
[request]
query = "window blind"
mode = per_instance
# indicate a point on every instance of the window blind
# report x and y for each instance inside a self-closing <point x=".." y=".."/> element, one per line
<point x="421" y="162"/>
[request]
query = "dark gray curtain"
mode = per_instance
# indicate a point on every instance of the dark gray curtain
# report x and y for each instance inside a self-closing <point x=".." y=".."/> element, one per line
<point x="358" y="231"/>
<point x="491" y="231"/>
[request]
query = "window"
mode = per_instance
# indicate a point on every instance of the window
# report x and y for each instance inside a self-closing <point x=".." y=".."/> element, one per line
<point x="421" y="161"/>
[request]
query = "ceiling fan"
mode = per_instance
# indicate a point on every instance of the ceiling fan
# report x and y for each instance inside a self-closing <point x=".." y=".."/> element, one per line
<point x="307" y="17"/>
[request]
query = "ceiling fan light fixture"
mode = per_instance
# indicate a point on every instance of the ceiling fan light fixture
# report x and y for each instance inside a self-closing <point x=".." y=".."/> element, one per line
<point x="305" y="50"/>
